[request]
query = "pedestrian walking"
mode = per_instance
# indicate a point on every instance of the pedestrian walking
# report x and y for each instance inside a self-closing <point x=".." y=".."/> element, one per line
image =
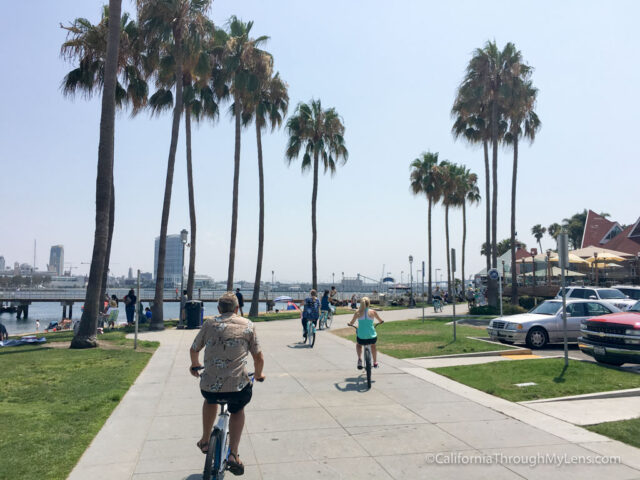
<point x="240" y="301"/>
<point x="130" y="301"/>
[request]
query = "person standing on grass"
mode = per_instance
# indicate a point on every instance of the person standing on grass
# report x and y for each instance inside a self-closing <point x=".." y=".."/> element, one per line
<point x="130" y="306"/>
<point x="366" y="332"/>
<point x="4" y="335"/>
<point x="228" y="339"/>
<point x="240" y="301"/>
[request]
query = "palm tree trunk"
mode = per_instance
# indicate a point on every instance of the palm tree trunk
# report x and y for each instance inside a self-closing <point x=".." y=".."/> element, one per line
<point x="514" y="277"/>
<point x="430" y="296"/>
<point x="487" y="184"/>
<point x="253" y="311"/>
<point x="314" y="231"/>
<point x="234" y="208"/>
<point x="192" y="205"/>
<point x="157" y="318"/>
<point x="86" y="334"/>
<point x="446" y="224"/>
<point x="464" y="238"/>
<point x="492" y="285"/>
<point x="107" y="257"/>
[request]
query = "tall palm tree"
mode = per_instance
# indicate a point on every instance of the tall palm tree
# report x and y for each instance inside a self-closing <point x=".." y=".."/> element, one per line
<point x="424" y="181"/>
<point x="164" y="24"/>
<point x="268" y="105"/>
<point x="85" y="337"/>
<point x="320" y="135"/>
<point x="449" y="175"/>
<point x="538" y="232"/>
<point x="86" y="44"/>
<point x="199" y="102"/>
<point x="243" y="64"/>
<point x="519" y="96"/>
<point x="469" y="193"/>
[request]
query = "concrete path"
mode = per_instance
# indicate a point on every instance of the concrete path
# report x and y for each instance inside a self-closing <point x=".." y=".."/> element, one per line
<point x="313" y="418"/>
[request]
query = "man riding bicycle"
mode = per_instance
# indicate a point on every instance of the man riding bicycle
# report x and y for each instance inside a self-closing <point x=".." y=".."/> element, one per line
<point x="311" y="312"/>
<point x="228" y="339"/>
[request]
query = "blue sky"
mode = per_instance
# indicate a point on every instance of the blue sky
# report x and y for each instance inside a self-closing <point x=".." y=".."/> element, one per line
<point x="391" y="70"/>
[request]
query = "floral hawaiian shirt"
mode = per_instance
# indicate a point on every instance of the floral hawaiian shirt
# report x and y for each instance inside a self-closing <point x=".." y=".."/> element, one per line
<point x="228" y="339"/>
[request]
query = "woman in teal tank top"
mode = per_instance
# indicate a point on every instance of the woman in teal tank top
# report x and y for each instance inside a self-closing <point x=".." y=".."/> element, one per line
<point x="366" y="334"/>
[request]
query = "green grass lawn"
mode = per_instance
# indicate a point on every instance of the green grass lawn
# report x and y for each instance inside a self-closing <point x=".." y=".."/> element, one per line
<point x="627" y="431"/>
<point x="415" y="338"/>
<point x="54" y="400"/>
<point x="499" y="378"/>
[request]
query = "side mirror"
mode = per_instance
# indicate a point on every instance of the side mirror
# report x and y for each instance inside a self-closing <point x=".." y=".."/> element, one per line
<point x="592" y="297"/>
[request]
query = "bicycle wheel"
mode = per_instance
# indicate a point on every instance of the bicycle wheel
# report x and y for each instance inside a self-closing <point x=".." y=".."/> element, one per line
<point x="367" y="365"/>
<point x="322" y="320"/>
<point x="328" y="320"/>
<point x="311" y="334"/>
<point x="214" y="457"/>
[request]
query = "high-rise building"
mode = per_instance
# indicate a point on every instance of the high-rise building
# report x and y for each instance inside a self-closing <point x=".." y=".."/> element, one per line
<point x="1" y="264"/>
<point x="56" y="259"/>
<point x="130" y="276"/>
<point x="173" y="261"/>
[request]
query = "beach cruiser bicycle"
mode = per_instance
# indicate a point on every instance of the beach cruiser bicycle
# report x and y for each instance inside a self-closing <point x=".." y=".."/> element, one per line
<point x="368" y="358"/>
<point x="215" y="463"/>
<point x="311" y="333"/>
<point x="437" y="305"/>
<point x="326" y="319"/>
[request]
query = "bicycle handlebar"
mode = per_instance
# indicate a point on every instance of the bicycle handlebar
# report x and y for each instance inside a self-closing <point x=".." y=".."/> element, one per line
<point x="251" y="374"/>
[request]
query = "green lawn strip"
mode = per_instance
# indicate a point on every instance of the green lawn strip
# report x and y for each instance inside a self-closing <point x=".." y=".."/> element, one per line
<point x="415" y="338"/>
<point x="627" y="431"/>
<point x="499" y="378"/>
<point x="116" y="336"/>
<point x="54" y="401"/>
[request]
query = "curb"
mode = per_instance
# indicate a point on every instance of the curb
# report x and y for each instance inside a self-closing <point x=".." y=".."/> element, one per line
<point x="632" y="392"/>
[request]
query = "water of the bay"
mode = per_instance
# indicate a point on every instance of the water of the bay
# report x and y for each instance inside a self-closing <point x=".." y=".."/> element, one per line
<point x="47" y="312"/>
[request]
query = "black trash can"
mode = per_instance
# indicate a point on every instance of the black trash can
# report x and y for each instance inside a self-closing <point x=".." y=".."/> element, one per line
<point x="193" y="313"/>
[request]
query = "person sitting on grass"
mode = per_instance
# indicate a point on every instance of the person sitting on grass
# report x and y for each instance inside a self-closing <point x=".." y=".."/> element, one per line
<point x="366" y="333"/>
<point x="229" y="339"/>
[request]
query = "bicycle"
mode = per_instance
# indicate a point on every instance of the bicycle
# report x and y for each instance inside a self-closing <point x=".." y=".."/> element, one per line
<point x="437" y="305"/>
<point x="326" y="319"/>
<point x="215" y="463"/>
<point x="368" y="362"/>
<point x="311" y="333"/>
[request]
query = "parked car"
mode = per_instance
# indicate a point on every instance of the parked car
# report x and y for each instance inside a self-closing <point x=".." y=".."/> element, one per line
<point x="630" y="291"/>
<point x="613" y="339"/>
<point x="609" y="295"/>
<point x="544" y="323"/>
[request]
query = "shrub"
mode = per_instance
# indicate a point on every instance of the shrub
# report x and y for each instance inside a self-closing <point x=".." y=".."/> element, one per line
<point x="507" y="309"/>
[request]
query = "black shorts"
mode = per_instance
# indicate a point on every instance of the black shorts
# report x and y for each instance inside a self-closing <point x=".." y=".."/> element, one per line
<point x="235" y="401"/>
<point x="367" y="341"/>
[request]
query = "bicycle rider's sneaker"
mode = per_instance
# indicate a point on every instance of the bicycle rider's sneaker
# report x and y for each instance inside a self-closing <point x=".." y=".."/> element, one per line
<point x="359" y="364"/>
<point x="375" y="365"/>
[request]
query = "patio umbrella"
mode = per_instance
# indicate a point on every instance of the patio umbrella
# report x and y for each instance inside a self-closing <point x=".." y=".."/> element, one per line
<point x="572" y="258"/>
<point x="605" y="257"/>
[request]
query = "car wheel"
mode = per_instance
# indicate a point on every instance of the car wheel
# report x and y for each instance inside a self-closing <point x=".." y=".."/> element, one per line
<point x="606" y="361"/>
<point x="537" y="338"/>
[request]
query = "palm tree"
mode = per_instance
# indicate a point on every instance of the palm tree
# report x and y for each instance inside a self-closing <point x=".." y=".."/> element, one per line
<point x="538" y="232"/>
<point x="519" y="101"/>
<point x="87" y="44"/>
<point x="268" y="105"/>
<point x="424" y="181"/>
<point x="320" y="134"/>
<point x="164" y="24"/>
<point x="243" y="63"/>
<point x="449" y="175"/>
<point x="554" y="230"/>
<point x="469" y="193"/>
<point x="199" y="102"/>
<point x="85" y="337"/>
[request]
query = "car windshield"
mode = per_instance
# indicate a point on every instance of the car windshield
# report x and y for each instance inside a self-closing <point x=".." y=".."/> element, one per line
<point x="635" y="308"/>
<point x="611" y="294"/>
<point x="547" y="308"/>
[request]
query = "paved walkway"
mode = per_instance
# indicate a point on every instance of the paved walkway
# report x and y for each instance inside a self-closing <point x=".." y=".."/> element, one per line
<point x="312" y="418"/>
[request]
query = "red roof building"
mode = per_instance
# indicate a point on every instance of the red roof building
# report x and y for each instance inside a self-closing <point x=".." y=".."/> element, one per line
<point x="598" y="231"/>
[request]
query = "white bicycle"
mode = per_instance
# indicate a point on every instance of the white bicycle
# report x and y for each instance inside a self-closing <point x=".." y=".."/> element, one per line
<point x="215" y="463"/>
<point x="368" y="358"/>
<point x="311" y="333"/>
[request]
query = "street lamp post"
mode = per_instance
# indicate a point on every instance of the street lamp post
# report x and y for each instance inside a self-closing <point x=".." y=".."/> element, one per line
<point x="533" y="269"/>
<point x="333" y="278"/>
<point x="437" y="270"/>
<point x="183" y="238"/>
<point x="401" y="276"/>
<point x="411" y="280"/>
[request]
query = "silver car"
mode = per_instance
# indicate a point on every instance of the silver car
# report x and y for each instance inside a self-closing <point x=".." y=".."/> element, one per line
<point x="543" y="324"/>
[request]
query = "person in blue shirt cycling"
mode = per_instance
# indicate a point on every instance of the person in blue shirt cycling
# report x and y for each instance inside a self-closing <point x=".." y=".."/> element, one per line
<point x="325" y="302"/>
<point x="311" y="312"/>
<point x="366" y="333"/>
